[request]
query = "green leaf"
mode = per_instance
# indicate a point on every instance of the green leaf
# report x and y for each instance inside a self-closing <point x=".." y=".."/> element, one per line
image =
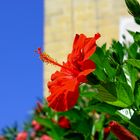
<point x="133" y="128"/>
<point x="74" y="114"/>
<point x="56" y="131"/>
<point x="131" y="75"/>
<point x="102" y="107"/>
<point x="133" y="6"/>
<point x="134" y="62"/>
<point x="73" y="136"/>
<point x="104" y="47"/>
<point x="118" y="50"/>
<point x="99" y="124"/>
<point x="136" y="36"/>
<point x="125" y="97"/>
<point x="134" y="9"/>
<point x="88" y="94"/>
<point x="124" y="93"/>
<point x="10" y="132"/>
<point x="83" y="126"/>
<point x="100" y="73"/>
<point x="132" y="51"/>
<point x="103" y="67"/>
<point x="111" y="72"/>
<point x="104" y="94"/>
<point x="120" y="76"/>
<point x="98" y="57"/>
<point x="92" y="79"/>
<point x="131" y="33"/>
<point x="135" y="119"/>
<point x="137" y="96"/>
<point x="118" y="103"/>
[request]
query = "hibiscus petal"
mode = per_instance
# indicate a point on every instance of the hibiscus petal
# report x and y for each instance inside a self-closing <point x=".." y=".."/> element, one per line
<point x="77" y="46"/>
<point x="64" y="97"/>
<point x="87" y="64"/>
<point x="90" y="47"/>
<point x="87" y="67"/>
<point x="75" y="39"/>
<point x="78" y="43"/>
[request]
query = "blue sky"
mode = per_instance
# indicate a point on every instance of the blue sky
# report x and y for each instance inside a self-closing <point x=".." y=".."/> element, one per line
<point x="21" y="32"/>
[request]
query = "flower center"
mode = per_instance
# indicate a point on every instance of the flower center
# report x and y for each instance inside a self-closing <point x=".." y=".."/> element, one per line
<point x="46" y="58"/>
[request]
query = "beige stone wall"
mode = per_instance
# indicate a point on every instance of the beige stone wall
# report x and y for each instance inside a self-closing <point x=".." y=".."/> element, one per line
<point x="65" y="18"/>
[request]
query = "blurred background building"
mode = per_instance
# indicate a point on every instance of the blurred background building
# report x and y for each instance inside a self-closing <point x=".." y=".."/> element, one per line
<point x="65" y="18"/>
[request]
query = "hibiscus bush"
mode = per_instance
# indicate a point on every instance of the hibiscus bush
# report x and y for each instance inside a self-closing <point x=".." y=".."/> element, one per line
<point x="95" y="95"/>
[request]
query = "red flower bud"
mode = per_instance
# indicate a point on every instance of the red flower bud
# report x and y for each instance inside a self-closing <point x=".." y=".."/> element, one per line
<point x="39" y="107"/>
<point x="64" y="122"/>
<point x="33" y="135"/>
<point x="121" y="132"/>
<point x="45" y="137"/>
<point x="106" y="132"/>
<point x="2" y="138"/>
<point x="36" y="126"/>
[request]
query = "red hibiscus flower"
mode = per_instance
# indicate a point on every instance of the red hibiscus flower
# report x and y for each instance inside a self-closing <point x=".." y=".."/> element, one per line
<point x="22" y="136"/>
<point x="64" y="83"/>
<point x="64" y="122"/>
